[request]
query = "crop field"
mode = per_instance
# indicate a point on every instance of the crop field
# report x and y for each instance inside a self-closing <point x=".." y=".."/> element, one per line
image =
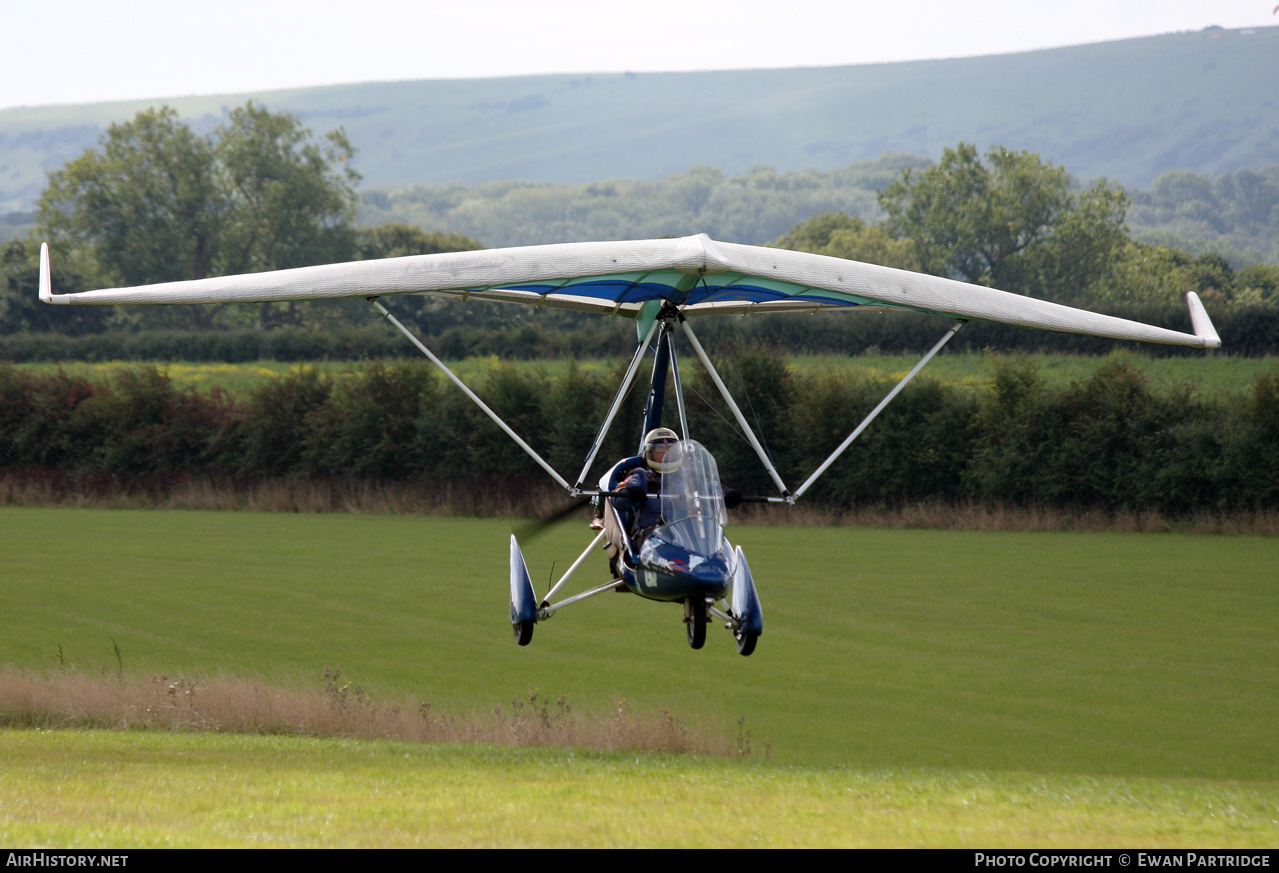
<point x="911" y="688"/>
<point x="1201" y="375"/>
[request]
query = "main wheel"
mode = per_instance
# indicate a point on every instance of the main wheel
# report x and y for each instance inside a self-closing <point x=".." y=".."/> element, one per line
<point x="696" y="622"/>
<point x="523" y="632"/>
<point x="746" y="643"/>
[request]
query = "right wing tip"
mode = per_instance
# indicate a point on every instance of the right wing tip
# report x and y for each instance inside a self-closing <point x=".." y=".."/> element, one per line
<point x="1200" y="323"/>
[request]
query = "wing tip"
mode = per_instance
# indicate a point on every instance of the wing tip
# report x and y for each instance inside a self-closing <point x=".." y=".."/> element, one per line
<point x="46" y="279"/>
<point x="1200" y="323"/>
<point x="45" y="286"/>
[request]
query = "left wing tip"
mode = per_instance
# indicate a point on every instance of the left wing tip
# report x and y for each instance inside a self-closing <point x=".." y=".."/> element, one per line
<point x="46" y="280"/>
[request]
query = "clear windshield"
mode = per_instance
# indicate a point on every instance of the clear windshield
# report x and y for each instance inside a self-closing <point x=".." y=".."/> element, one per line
<point x="692" y="501"/>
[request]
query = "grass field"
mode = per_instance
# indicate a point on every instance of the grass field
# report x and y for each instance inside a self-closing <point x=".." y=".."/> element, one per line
<point x="1204" y="376"/>
<point x="114" y="789"/>
<point x="1107" y="668"/>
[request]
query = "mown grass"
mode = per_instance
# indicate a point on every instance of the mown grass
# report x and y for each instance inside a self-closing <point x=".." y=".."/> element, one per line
<point x="240" y="380"/>
<point x="1072" y="688"/>
<point x="1132" y="655"/>
<point x="140" y="790"/>
<point x="1203" y="376"/>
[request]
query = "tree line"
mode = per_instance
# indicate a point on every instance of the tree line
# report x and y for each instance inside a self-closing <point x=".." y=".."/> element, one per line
<point x="1108" y="441"/>
<point x="157" y="202"/>
<point x="1011" y="221"/>
<point x="1235" y="215"/>
<point x="751" y="207"/>
<point x="1246" y="330"/>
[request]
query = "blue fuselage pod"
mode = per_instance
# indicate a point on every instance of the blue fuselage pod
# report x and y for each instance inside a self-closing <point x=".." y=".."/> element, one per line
<point x="669" y="571"/>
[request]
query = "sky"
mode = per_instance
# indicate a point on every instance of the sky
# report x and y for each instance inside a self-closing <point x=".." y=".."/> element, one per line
<point x="76" y="51"/>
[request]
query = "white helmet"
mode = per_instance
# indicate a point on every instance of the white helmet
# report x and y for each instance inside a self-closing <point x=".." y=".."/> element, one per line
<point x="661" y="450"/>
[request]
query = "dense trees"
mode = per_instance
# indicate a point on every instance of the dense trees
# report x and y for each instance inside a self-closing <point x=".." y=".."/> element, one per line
<point x="846" y="236"/>
<point x="396" y="240"/>
<point x="1235" y="215"/>
<point x="142" y="206"/>
<point x="21" y="310"/>
<point x="1143" y="272"/>
<point x="1013" y="222"/>
<point x="1107" y="441"/>
<point x="1258" y="283"/>
<point x="1239" y="219"/>
<point x="752" y="207"/>
<point x="157" y="202"/>
<point x="1010" y="221"/>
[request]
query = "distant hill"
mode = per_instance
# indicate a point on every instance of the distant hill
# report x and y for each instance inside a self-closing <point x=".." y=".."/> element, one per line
<point x="1128" y="110"/>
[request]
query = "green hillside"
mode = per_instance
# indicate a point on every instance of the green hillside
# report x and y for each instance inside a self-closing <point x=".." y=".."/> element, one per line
<point x="1128" y="110"/>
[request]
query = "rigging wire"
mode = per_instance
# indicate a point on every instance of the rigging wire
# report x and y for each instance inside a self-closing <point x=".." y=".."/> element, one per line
<point x="730" y="423"/>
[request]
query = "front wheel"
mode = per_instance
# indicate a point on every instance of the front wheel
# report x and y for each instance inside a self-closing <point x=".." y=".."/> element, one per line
<point x="523" y="632"/>
<point x="746" y="643"/>
<point x="696" y="622"/>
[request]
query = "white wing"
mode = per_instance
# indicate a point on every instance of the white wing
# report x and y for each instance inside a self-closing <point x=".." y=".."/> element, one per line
<point x="695" y="273"/>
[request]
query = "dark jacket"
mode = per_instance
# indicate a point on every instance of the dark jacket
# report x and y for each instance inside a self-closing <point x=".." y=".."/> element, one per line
<point x="643" y="492"/>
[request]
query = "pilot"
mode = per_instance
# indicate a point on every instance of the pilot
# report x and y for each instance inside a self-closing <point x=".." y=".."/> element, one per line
<point x="636" y="496"/>
<point x="642" y="487"/>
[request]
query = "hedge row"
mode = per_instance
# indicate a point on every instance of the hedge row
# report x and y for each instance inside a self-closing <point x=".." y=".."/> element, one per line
<point x="1107" y="442"/>
<point x="1249" y="331"/>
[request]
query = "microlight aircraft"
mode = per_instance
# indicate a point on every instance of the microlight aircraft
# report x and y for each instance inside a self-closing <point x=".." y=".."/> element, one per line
<point x="664" y="286"/>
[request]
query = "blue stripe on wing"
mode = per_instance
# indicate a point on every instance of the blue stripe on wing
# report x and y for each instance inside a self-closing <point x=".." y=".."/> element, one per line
<point x="718" y="288"/>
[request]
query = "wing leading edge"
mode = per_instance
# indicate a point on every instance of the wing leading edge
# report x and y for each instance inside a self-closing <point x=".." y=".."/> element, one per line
<point x="695" y="273"/>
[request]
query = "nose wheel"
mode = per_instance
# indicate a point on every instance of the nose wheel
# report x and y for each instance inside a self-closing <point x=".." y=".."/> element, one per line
<point x="695" y="620"/>
<point x="523" y="632"/>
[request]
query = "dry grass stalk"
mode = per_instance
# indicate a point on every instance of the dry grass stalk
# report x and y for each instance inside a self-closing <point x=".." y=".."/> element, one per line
<point x="229" y="705"/>
<point x="36" y="487"/>
<point x="487" y="500"/>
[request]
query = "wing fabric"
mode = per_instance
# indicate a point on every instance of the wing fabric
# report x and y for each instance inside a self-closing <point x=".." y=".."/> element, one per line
<point x="695" y="273"/>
